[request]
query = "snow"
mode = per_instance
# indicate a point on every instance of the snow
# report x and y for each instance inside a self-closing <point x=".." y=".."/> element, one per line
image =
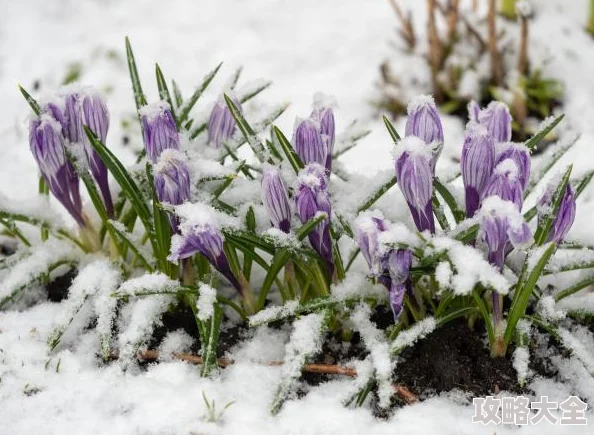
<point x="411" y="335"/>
<point x="205" y="302"/>
<point x="76" y="393"/>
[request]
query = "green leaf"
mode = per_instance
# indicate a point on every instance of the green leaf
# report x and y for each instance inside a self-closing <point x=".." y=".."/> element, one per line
<point x="212" y="329"/>
<point x="439" y="213"/>
<point x="287" y="148"/>
<point x="524" y="289"/>
<point x="131" y="243"/>
<point x="126" y="182"/>
<point x="189" y="104"/>
<point x="377" y="194"/>
<point x="547" y="163"/>
<point x="544" y="227"/>
<point x="247" y="131"/>
<point x="164" y="91"/>
<point x="162" y="231"/>
<point x="31" y="101"/>
<point x="392" y="130"/>
<point x="139" y="97"/>
<point x="482" y="306"/>
<point x="235" y="78"/>
<point x="574" y="288"/>
<point x="245" y="98"/>
<point x="179" y="99"/>
<point x="582" y="183"/>
<point x="13" y="230"/>
<point x="533" y="142"/>
<point x="449" y="199"/>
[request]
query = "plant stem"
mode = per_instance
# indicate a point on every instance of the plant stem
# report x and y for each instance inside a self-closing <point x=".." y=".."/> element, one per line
<point x="590" y="26"/>
<point x="508" y="9"/>
<point x="496" y="65"/>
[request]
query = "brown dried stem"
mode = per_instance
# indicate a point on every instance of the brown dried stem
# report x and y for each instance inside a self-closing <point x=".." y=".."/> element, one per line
<point x="407" y="31"/>
<point x="435" y="50"/>
<point x="453" y="16"/>
<point x="523" y="54"/>
<point x="329" y="369"/>
<point x="496" y="63"/>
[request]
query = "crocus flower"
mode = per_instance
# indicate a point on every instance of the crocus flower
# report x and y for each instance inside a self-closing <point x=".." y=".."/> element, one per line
<point x="158" y="129"/>
<point x="505" y="183"/>
<point x="312" y="198"/>
<point x="501" y="222"/>
<point x="325" y="118"/>
<point x="423" y="122"/>
<point x="96" y="117"/>
<point x="495" y="118"/>
<point x="67" y="111"/>
<point x="275" y="197"/>
<point x="172" y="181"/>
<point x="478" y="156"/>
<point x="206" y="240"/>
<point x="221" y="124"/>
<point x="399" y="263"/>
<point x="309" y="144"/>
<point x="367" y="231"/>
<point x="47" y="145"/>
<point x="563" y="221"/>
<point x="415" y="179"/>
<point x="519" y="153"/>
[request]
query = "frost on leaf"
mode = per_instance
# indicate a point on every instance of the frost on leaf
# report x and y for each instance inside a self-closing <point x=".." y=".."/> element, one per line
<point x="145" y="315"/>
<point x="410" y="336"/>
<point x="305" y="341"/>
<point x="96" y="279"/>
<point x="379" y="350"/>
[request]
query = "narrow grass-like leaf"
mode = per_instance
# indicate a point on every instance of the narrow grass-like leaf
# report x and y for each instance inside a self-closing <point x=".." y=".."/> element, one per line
<point x="547" y="163"/>
<point x="162" y="230"/>
<point x="14" y="231"/>
<point x="574" y="288"/>
<point x="582" y="183"/>
<point x="126" y="182"/>
<point x="131" y="243"/>
<point x="373" y="198"/>
<point x="139" y="97"/>
<point x="164" y="91"/>
<point x="210" y="346"/>
<point x="287" y="148"/>
<point x="235" y="78"/>
<point x="533" y="142"/>
<point x="482" y="306"/>
<point x="245" y="98"/>
<point x="392" y="130"/>
<point x="524" y="289"/>
<point x="449" y="199"/>
<point x="31" y="101"/>
<point x="247" y="131"/>
<point x="546" y="222"/>
<point x="177" y="95"/>
<point x="439" y="213"/>
<point x="189" y="104"/>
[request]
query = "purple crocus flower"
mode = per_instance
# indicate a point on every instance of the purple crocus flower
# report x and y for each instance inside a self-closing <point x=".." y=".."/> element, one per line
<point x="47" y="145"/>
<point x="495" y="118"/>
<point x="423" y="122"/>
<point x="501" y="222"/>
<point x="505" y="183"/>
<point x="309" y="144"/>
<point x="478" y="157"/>
<point x="275" y="197"/>
<point x="312" y="198"/>
<point x="415" y="179"/>
<point x="367" y="232"/>
<point x="563" y="221"/>
<point x="325" y="118"/>
<point x="172" y="181"/>
<point x="221" y="124"/>
<point x="96" y="117"/>
<point x="208" y="241"/>
<point x="158" y="129"/>
<point x="520" y="154"/>
<point x="399" y="263"/>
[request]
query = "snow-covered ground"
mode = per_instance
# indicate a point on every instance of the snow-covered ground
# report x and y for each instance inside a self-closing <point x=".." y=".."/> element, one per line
<point x="303" y="47"/>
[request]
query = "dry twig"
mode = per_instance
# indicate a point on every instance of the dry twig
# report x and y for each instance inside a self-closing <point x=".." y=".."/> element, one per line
<point x="407" y="31"/>
<point x="496" y="64"/>
<point x="329" y="369"/>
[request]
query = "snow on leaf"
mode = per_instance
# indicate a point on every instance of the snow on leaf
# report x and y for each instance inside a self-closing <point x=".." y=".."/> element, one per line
<point x="378" y="347"/>
<point x="411" y="335"/>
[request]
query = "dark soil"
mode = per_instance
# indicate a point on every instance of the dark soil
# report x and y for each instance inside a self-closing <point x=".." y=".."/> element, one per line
<point x="57" y="289"/>
<point x="455" y="357"/>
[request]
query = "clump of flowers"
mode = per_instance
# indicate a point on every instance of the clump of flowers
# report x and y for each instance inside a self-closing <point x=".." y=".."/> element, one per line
<point x="277" y="236"/>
